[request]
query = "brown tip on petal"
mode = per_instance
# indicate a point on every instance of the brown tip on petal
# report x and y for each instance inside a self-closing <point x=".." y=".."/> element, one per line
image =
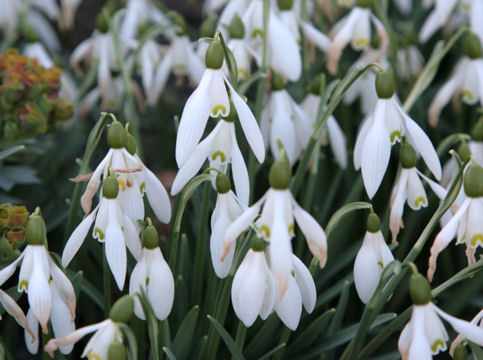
<point x="80" y="178"/>
<point x="470" y="255"/>
<point x="432" y="265"/>
<point x="283" y="285"/>
<point x="50" y="347"/>
<point x="45" y="329"/>
<point x="454" y="344"/>
<point x="224" y="252"/>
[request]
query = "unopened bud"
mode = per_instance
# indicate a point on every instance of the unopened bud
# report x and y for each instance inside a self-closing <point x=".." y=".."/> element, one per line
<point x="179" y="21"/>
<point x="122" y="309"/>
<point x="208" y="26"/>
<point x="364" y="3"/>
<point x="63" y="109"/>
<point x="236" y="28"/>
<point x="103" y="19"/>
<point x="464" y="151"/>
<point x="285" y="4"/>
<point x="460" y="352"/>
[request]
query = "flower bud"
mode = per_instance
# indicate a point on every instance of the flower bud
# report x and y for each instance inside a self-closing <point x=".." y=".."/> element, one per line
<point x="364" y="3"/>
<point x="102" y="21"/>
<point x="464" y="151"/>
<point x="131" y="144"/>
<point x="285" y="4"/>
<point x="419" y="289"/>
<point x="472" y="46"/>
<point x="460" y="352"/>
<point x="258" y="244"/>
<point x="150" y="237"/>
<point x="385" y="86"/>
<point x="277" y="81"/>
<point x="117" y="351"/>
<point x="122" y="309"/>
<point x="473" y="181"/>
<point x="477" y="132"/>
<point x="373" y="223"/>
<point x="35" y="232"/>
<point x="116" y="135"/>
<point x="236" y="28"/>
<point x="214" y="55"/>
<point x="280" y="174"/>
<point x="408" y="156"/>
<point x="208" y="26"/>
<point x="223" y="184"/>
<point x="178" y="21"/>
<point x="110" y="187"/>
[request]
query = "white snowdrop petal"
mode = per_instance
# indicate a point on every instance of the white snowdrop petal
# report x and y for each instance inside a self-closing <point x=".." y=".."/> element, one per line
<point x="306" y="284"/>
<point x="270" y="292"/>
<point x="222" y="268"/>
<point x="474" y="225"/>
<point x="420" y="347"/>
<point x="115" y="247"/>
<point x="405" y="339"/>
<point x="12" y="308"/>
<point x="160" y="286"/>
<point x="99" y="343"/>
<point x="415" y="191"/>
<point x="131" y="200"/>
<point x="63" y="286"/>
<point x="131" y="237"/>
<point x="367" y="273"/>
<point x="157" y="196"/>
<point x="39" y="297"/>
<point x="443" y="96"/>
<point x="337" y="142"/>
<point x="240" y="172"/>
<point x="316" y="37"/>
<point x="239" y="225"/>
<point x="161" y="77"/>
<point x="138" y="279"/>
<point x="283" y="128"/>
<point x="435" y="331"/>
<point x="25" y="269"/>
<point x="8" y="270"/>
<point x="61" y="319"/>
<point x="361" y="138"/>
<point x="32" y="343"/>
<point x="289" y="307"/>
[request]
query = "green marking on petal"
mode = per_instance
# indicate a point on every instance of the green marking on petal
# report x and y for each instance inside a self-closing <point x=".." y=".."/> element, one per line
<point x="395" y="135"/>
<point x="242" y="73"/>
<point x="142" y="187"/>
<point x="468" y="95"/>
<point x="99" y="233"/>
<point x="361" y="43"/>
<point x="438" y="344"/>
<point x="180" y="67"/>
<point x="478" y="238"/>
<point x="266" y="230"/>
<point x="381" y="265"/>
<point x="219" y="108"/>
<point x="291" y="228"/>
<point x="93" y="356"/>
<point x="24" y="284"/>
<point x="257" y="32"/>
<point x="420" y="201"/>
<point x="220" y="154"/>
<point x="147" y="281"/>
<point x="292" y="273"/>
<point x="459" y="241"/>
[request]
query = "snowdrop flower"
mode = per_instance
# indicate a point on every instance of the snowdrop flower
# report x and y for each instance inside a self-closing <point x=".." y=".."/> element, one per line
<point x="356" y="28"/>
<point x="112" y="227"/>
<point x="133" y="176"/>
<point x="100" y="47"/>
<point x="49" y="300"/>
<point x="331" y="133"/>
<point x="425" y="335"/>
<point x="207" y="30"/>
<point x="457" y="344"/>
<point x="67" y="13"/>
<point x="466" y="223"/>
<point x="221" y="148"/>
<point x="408" y="187"/>
<point x="147" y="63"/>
<point x="180" y="59"/>
<point x="409" y="62"/>
<point x="239" y="48"/>
<point x="107" y="338"/>
<point x="253" y="289"/>
<point x="12" y="308"/>
<point x="137" y="12"/>
<point x="227" y="209"/>
<point x="154" y="276"/>
<point x="212" y="99"/>
<point x="211" y="6"/>
<point x="234" y="7"/>
<point x="276" y="225"/>
<point x="284" y="119"/>
<point x="371" y="259"/>
<point x="467" y="79"/>
<point x="386" y="126"/>
<point x="283" y="51"/>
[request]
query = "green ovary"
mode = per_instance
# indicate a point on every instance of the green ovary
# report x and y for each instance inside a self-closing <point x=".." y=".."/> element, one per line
<point x="438" y="344"/>
<point x="99" y="233"/>
<point x="220" y="154"/>
<point x="476" y="240"/>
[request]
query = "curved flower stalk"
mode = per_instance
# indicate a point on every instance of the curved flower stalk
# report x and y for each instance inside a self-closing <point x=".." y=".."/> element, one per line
<point x="154" y="276"/>
<point x="409" y="188"/>
<point x="227" y="209"/>
<point x="355" y="28"/>
<point x="373" y="256"/>
<point x="331" y="133"/>
<point x="211" y="98"/>
<point x="133" y="176"/>
<point x="385" y="127"/>
<point x="276" y="226"/>
<point x="112" y="227"/>
<point x="425" y="335"/>
<point x="283" y="54"/>
<point x="284" y="119"/>
<point x="107" y="338"/>
<point x="465" y="224"/>
<point x="50" y="293"/>
<point x="180" y="59"/>
<point x="467" y="80"/>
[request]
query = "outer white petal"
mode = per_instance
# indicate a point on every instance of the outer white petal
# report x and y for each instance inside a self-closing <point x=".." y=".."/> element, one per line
<point x="397" y="207"/>
<point x="131" y="201"/>
<point x="316" y="37"/>
<point x="61" y="319"/>
<point x="474" y="223"/>
<point x="8" y="270"/>
<point x="289" y="307"/>
<point x="405" y="340"/>
<point x="77" y="238"/>
<point x="470" y="87"/>
<point x="131" y="237"/>
<point x="193" y="120"/>
<point x="470" y="331"/>
<point x="283" y="128"/>
<point x="442" y="98"/>
<point x="157" y="196"/>
<point x="161" y="76"/>
<point x="415" y="191"/>
<point x="420" y="348"/>
<point x="248" y="288"/>
<point x="25" y="269"/>
<point x="367" y="273"/>
<point x="284" y="53"/>
<point x="270" y="293"/>
<point x="337" y="142"/>
<point x="249" y="124"/>
<point x="94" y="182"/>
<point x="12" y="308"/>
<point x="375" y="152"/>
<point x="313" y="232"/>
<point x="421" y="142"/>
<point x="240" y="172"/>
<point x="435" y="331"/>
<point x="361" y="32"/>
<point x="161" y="286"/>
<point x="440" y="191"/>
<point x="139" y="276"/>
<point x="361" y="138"/>
<point x="64" y="287"/>
<point x="238" y="226"/>
<point x="222" y="268"/>
<point x="306" y="285"/>
<point x="115" y="246"/>
<point x="32" y="340"/>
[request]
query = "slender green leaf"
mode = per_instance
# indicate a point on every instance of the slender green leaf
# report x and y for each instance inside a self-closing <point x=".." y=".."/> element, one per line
<point x="10" y="151"/>
<point x="185" y="334"/>
<point x="230" y="343"/>
<point x="91" y="291"/>
<point x="449" y="141"/>
<point x="273" y="351"/>
<point x="169" y="353"/>
<point x="131" y="340"/>
<point x="343" y="212"/>
<point x="476" y="350"/>
<point x="152" y="323"/>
